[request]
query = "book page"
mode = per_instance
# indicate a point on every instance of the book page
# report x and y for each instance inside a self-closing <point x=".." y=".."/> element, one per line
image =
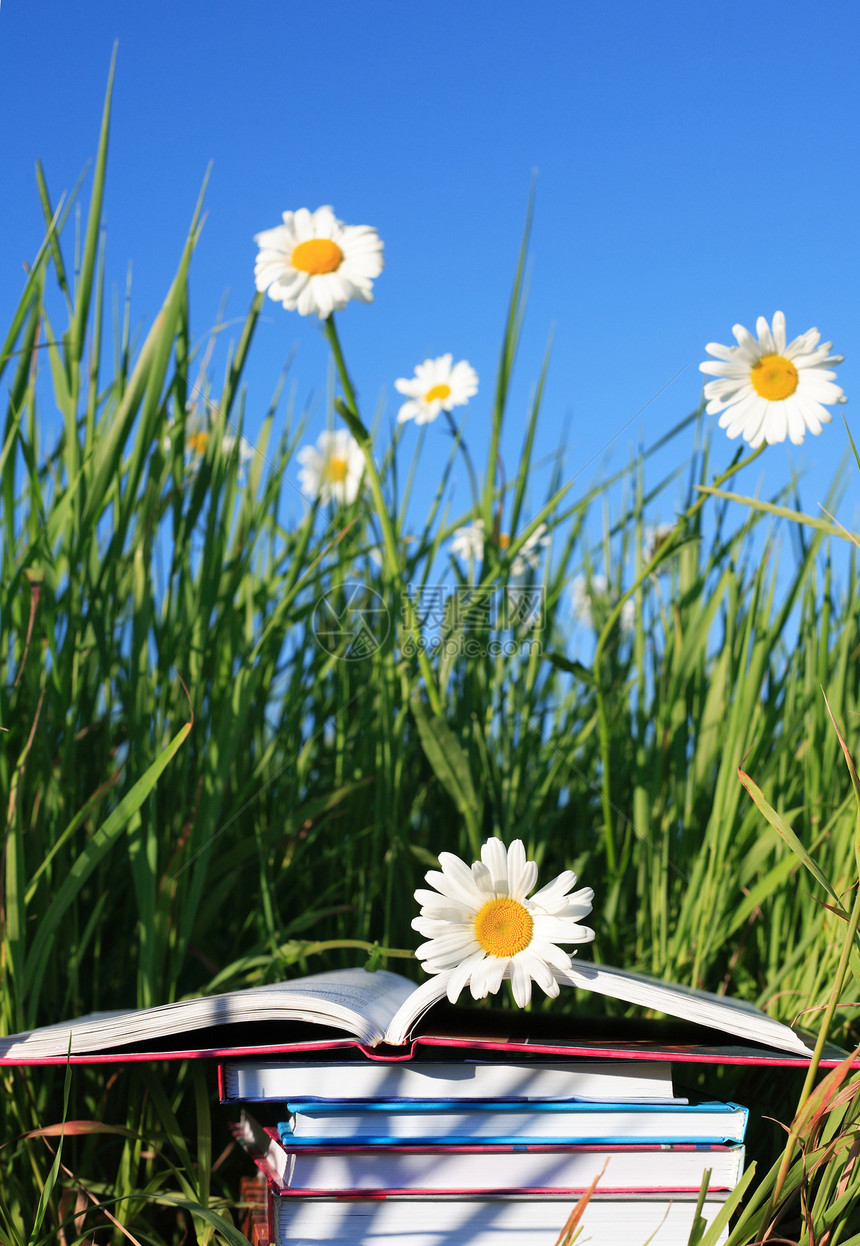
<point x="731" y="1016"/>
<point x="413" y="1009"/>
<point x="353" y="1000"/>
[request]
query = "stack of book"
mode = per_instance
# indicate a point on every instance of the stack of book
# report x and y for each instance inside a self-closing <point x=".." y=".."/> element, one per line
<point x="391" y="1117"/>
<point x="427" y="1153"/>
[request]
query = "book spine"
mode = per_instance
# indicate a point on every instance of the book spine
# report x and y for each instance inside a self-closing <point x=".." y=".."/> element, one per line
<point x="390" y="1055"/>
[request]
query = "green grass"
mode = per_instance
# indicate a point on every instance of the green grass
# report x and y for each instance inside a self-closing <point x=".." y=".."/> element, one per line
<point x="200" y="796"/>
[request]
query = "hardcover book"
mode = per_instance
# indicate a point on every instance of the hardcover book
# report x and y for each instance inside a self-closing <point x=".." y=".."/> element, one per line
<point x="381" y="1011"/>
<point x="502" y="1122"/>
<point x="523" y="1168"/>
<point x="360" y="1080"/>
<point x="659" y="1219"/>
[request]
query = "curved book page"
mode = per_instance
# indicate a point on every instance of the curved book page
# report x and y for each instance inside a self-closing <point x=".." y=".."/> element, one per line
<point x="731" y="1016"/>
<point x="734" y="1016"/>
<point x="353" y="1000"/>
<point x="411" y="1011"/>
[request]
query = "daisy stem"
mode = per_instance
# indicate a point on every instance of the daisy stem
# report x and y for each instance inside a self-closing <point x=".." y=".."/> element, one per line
<point x="334" y="341"/>
<point x="328" y="945"/>
<point x="350" y="413"/>
<point x="388" y="533"/>
<point x="460" y="444"/>
<point x="665" y="550"/>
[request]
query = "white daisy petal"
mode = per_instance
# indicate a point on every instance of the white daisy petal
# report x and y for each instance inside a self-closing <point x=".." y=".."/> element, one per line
<point x="461" y="975"/>
<point x="777" y="424"/>
<point x="539" y="971"/>
<point x="521" y="983"/>
<point x="806" y="344"/>
<point x="460" y="875"/>
<point x="441" y="946"/>
<point x="522" y="874"/>
<point x="487" y="976"/>
<point x="409" y="411"/>
<point x="768" y="390"/>
<point x="554" y="891"/>
<point x="745" y="339"/>
<point x="822" y="391"/>
<point x="765" y="340"/>
<point x="441" y="908"/>
<point x="436" y="927"/>
<point x="797" y="424"/>
<point x="563" y="929"/>
<point x="551" y="953"/>
<point x="721" y="352"/>
<point x="483" y="880"/>
<point x="733" y="368"/>
<point x="495" y="857"/>
<point x="580" y="903"/>
<point x="469" y="896"/>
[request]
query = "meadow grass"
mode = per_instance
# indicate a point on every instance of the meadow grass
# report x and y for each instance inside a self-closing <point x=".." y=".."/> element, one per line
<point x="202" y="796"/>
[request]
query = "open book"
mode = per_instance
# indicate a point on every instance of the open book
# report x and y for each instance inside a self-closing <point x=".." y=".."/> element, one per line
<point x="355" y="1008"/>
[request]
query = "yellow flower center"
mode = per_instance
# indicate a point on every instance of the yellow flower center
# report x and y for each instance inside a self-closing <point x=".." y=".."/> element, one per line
<point x="504" y="540"/>
<point x="774" y="377"/>
<point x="198" y="442"/>
<point x="335" y="470"/>
<point x="504" y="927"/>
<point x="317" y="256"/>
<point x="438" y="392"/>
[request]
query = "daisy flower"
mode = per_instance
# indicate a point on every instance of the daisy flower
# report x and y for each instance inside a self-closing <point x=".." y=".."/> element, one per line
<point x="655" y="536"/>
<point x="332" y="470"/>
<point x="767" y="390"/>
<point x="435" y="387"/>
<point x="246" y="450"/>
<point x="584" y="594"/>
<point x="529" y="555"/>
<point x="198" y="434"/>
<point x="314" y="264"/>
<point x="482" y="927"/>
<point x="468" y="543"/>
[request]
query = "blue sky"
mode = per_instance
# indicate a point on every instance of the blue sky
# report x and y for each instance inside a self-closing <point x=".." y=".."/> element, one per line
<point x="695" y="166"/>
